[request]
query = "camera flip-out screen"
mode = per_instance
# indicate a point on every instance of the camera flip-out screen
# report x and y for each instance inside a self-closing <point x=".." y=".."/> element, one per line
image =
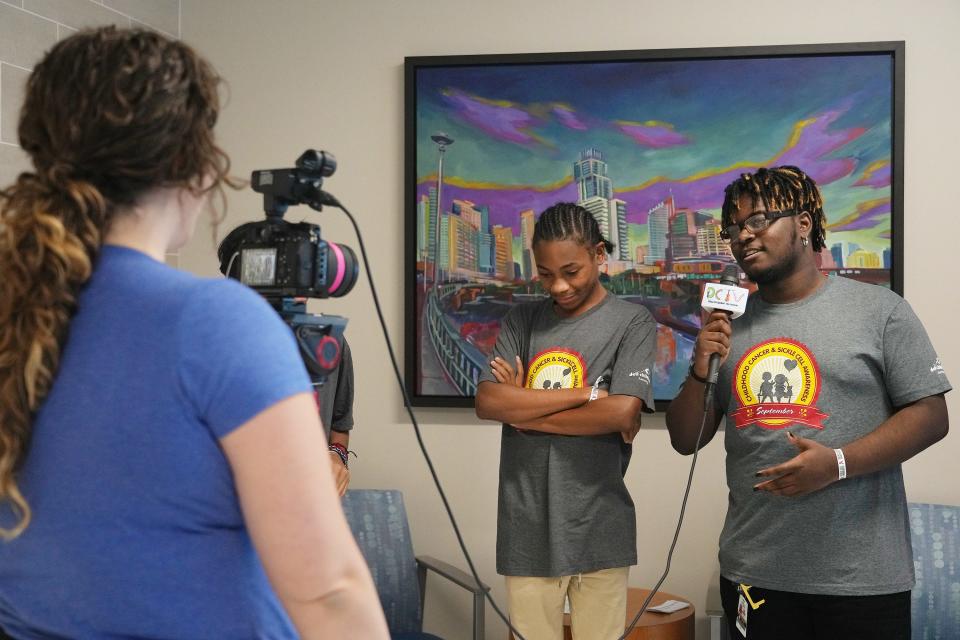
<point x="259" y="267"/>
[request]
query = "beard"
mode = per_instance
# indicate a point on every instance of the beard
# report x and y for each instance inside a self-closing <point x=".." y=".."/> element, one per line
<point x="779" y="270"/>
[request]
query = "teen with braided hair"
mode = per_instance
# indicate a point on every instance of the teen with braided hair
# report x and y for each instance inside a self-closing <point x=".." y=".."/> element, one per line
<point x="157" y="430"/>
<point x="816" y="543"/>
<point x="570" y="377"/>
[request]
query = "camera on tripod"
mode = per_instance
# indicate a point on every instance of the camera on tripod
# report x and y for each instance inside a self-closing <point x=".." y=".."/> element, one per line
<point x="287" y="263"/>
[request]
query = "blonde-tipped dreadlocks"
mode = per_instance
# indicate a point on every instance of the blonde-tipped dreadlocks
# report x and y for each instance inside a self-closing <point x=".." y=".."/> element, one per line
<point x="779" y="188"/>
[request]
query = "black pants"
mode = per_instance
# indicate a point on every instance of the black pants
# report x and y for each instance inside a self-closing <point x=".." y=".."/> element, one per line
<point x="801" y="616"/>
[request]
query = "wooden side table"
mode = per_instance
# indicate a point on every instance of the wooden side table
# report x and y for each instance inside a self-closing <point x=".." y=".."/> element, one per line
<point x="678" y="625"/>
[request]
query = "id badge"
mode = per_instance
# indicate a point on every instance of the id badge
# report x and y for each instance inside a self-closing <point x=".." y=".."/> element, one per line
<point x="742" y="609"/>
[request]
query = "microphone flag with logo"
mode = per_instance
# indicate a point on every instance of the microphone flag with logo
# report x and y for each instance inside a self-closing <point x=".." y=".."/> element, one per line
<point x="726" y="295"/>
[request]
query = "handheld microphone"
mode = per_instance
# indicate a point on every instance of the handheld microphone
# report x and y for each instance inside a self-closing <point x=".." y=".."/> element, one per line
<point x="729" y="297"/>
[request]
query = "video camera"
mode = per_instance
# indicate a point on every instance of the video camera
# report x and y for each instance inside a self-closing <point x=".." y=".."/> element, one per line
<point x="287" y="263"/>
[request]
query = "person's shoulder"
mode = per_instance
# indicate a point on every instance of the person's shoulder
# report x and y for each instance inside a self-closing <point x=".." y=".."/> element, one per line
<point x="525" y="310"/>
<point x="876" y="295"/>
<point x="225" y="296"/>
<point x="126" y="272"/>
<point x="124" y="269"/>
<point x="533" y="304"/>
<point x="632" y="311"/>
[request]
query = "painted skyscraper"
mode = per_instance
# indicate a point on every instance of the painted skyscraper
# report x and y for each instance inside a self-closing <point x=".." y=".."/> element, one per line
<point x="658" y="226"/>
<point x="619" y="210"/>
<point x="527" y="266"/>
<point x="433" y="219"/>
<point x="503" y="252"/>
<point x="595" y="194"/>
<point x="423" y="227"/>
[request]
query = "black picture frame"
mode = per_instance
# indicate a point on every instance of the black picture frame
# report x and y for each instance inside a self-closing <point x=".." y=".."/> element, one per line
<point x="879" y="103"/>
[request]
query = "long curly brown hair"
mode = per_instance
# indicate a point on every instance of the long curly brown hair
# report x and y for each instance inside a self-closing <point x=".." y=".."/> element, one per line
<point x="109" y="115"/>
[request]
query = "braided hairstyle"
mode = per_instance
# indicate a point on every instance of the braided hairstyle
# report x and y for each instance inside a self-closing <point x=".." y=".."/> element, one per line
<point x="109" y="115"/>
<point x="569" y="221"/>
<point x="779" y="188"/>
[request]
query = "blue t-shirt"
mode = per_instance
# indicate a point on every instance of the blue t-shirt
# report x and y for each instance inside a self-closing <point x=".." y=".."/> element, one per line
<point x="137" y="529"/>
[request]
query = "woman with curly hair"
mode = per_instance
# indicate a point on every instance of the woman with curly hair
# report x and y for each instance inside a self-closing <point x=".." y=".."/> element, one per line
<point x="156" y="478"/>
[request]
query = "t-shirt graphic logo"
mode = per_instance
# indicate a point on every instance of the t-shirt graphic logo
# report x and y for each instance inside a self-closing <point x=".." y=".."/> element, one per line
<point x="777" y="383"/>
<point x="556" y="368"/>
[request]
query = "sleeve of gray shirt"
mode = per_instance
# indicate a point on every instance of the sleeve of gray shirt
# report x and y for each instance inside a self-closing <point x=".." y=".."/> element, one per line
<point x="509" y="340"/>
<point x="912" y="370"/>
<point x="633" y="370"/>
<point x="342" y="418"/>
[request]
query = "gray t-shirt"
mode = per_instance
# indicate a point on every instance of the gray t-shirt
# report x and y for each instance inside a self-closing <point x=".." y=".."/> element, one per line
<point x="336" y="395"/>
<point x="831" y="367"/>
<point x="563" y="506"/>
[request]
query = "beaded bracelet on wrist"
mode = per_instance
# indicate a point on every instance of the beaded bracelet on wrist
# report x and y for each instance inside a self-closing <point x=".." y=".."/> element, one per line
<point x="693" y="374"/>
<point x="341" y="452"/>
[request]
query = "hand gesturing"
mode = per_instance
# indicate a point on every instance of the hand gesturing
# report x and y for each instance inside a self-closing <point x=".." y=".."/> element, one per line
<point x="812" y="469"/>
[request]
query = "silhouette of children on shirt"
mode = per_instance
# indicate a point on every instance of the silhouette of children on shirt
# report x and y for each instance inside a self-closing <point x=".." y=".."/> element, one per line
<point x="766" y="388"/>
<point x="780" y="387"/>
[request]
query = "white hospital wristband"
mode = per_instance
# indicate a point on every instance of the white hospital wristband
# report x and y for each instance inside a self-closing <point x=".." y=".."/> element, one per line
<point x="595" y="392"/>
<point x="841" y="463"/>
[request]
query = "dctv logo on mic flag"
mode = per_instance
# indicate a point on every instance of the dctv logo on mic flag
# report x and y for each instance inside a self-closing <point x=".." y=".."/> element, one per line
<point x="725" y="297"/>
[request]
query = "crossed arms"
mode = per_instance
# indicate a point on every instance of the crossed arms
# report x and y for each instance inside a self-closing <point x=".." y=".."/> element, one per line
<point x="559" y="411"/>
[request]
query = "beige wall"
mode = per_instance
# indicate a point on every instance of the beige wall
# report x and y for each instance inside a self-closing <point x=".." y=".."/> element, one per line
<point x="30" y="27"/>
<point x="329" y="75"/>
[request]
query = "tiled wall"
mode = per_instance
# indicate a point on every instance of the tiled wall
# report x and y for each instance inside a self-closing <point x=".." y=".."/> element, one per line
<point x="29" y="27"/>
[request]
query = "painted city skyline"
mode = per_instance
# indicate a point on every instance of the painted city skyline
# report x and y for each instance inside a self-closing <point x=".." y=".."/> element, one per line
<point x="683" y="128"/>
<point x="647" y="147"/>
<point x="465" y="225"/>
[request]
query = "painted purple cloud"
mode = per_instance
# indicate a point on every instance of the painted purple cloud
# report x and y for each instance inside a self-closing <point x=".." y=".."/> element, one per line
<point x="877" y="175"/>
<point x="654" y="134"/>
<point x="813" y="143"/>
<point x="497" y="118"/>
<point x="866" y="216"/>
<point x="811" y="146"/>
<point x="568" y="117"/>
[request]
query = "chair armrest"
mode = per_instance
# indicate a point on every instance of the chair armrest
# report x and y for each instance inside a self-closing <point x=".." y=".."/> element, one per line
<point x="453" y="574"/>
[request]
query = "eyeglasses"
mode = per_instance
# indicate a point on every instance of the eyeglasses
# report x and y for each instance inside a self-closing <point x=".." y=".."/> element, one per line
<point x="755" y="223"/>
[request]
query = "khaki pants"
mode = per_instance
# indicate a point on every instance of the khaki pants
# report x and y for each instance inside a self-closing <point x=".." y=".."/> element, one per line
<point x="598" y="605"/>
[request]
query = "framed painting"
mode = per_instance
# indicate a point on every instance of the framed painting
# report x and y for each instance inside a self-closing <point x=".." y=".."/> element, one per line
<point x="646" y="141"/>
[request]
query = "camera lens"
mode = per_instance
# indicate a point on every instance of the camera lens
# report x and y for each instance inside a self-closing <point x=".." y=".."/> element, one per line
<point x="342" y="269"/>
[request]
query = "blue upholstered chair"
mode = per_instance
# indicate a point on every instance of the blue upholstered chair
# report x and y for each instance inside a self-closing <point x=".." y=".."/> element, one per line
<point x="378" y="520"/>
<point x="935" y="533"/>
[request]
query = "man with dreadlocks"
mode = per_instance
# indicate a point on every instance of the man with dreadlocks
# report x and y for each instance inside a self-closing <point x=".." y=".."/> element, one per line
<point x="816" y="542"/>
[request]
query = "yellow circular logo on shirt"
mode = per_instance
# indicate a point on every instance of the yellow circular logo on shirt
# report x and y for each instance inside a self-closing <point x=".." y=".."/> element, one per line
<point x="556" y="368"/>
<point x="777" y="383"/>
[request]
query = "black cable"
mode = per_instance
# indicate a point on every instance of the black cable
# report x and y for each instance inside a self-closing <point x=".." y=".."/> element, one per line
<point x="416" y="427"/>
<point x="676" y="534"/>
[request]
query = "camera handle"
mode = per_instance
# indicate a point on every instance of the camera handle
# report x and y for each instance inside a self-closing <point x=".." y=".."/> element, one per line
<point x="318" y="338"/>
